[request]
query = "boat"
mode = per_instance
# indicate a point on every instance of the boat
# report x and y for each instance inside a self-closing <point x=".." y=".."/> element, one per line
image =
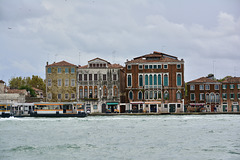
<point x="5" y="110"/>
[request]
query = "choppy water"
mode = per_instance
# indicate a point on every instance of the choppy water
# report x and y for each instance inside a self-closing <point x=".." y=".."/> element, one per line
<point x="121" y="137"/>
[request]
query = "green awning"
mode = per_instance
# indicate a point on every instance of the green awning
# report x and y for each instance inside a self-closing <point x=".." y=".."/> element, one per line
<point x="112" y="103"/>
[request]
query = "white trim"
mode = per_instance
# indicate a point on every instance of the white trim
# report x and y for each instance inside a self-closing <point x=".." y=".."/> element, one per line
<point x="129" y="86"/>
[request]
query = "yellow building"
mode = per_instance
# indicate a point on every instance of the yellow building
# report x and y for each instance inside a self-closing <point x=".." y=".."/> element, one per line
<point x="61" y="82"/>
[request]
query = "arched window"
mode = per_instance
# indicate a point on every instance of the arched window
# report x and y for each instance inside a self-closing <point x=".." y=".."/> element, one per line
<point x="140" y="80"/>
<point x="115" y="91"/>
<point x="95" y="91"/>
<point x="140" y="95"/>
<point x="178" y="95"/>
<point x="159" y="95"/>
<point x="90" y="92"/>
<point x="81" y="92"/>
<point x="150" y="80"/>
<point x="155" y="95"/>
<point x="146" y="95"/>
<point x="85" y="92"/>
<point x="159" y="79"/>
<point x="129" y="77"/>
<point x="217" y="98"/>
<point x="207" y="98"/>
<point x="212" y="98"/>
<point x="166" y="95"/>
<point x="146" y="79"/>
<point x="155" y="79"/>
<point x="150" y="94"/>
<point x="165" y="80"/>
<point x="130" y="95"/>
<point x="179" y="79"/>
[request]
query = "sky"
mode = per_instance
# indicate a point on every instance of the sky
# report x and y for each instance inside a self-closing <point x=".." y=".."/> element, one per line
<point x="206" y="34"/>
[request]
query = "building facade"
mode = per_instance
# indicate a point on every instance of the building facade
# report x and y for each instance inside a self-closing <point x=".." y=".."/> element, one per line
<point x="155" y="83"/>
<point x="61" y="82"/>
<point x="230" y="94"/>
<point x="100" y="86"/>
<point x="204" y="93"/>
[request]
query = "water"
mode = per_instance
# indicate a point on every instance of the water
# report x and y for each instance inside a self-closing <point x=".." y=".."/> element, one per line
<point x="121" y="137"/>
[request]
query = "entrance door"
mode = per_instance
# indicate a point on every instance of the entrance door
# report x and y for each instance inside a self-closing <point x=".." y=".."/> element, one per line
<point x="153" y="108"/>
<point x="212" y="108"/>
<point x="122" y="109"/>
<point x="224" y="108"/>
<point x="135" y="108"/>
<point x="172" y="108"/>
<point x="103" y="108"/>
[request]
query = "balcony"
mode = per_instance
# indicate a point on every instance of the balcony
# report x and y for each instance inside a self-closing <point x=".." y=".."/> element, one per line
<point x="153" y="87"/>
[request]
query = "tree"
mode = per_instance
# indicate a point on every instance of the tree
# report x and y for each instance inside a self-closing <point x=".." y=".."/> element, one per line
<point x="29" y="89"/>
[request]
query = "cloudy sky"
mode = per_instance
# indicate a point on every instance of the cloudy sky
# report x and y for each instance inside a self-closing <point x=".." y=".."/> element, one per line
<point x="206" y="33"/>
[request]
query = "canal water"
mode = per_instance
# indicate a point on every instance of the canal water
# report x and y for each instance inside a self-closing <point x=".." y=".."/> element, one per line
<point x="121" y="137"/>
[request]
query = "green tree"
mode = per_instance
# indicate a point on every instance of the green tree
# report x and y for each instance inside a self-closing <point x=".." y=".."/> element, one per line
<point x="29" y="89"/>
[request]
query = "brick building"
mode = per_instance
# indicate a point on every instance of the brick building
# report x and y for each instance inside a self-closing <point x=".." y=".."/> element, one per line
<point x="204" y="92"/>
<point x="230" y="94"/>
<point x="155" y="83"/>
<point x="101" y="86"/>
<point x="61" y="82"/>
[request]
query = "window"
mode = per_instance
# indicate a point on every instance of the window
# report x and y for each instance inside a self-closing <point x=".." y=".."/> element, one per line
<point x="238" y="95"/>
<point x="166" y="95"/>
<point x="150" y="66"/>
<point x="151" y="94"/>
<point x="59" y="96"/>
<point x="232" y="96"/>
<point x="207" y="98"/>
<point x="95" y="77"/>
<point x="130" y="95"/>
<point x="146" y="95"/>
<point x="231" y="86"/>
<point x="192" y="87"/>
<point x="212" y="97"/>
<point x="140" y="66"/>
<point x="165" y="80"/>
<point x="216" y="86"/>
<point x="66" y="70"/>
<point x="80" y="77"/>
<point x="201" y="87"/>
<point x="159" y="95"/>
<point x="129" y="80"/>
<point x="165" y="66"/>
<point x="155" y="79"/>
<point x="66" y="82"/>
<point x="140" y="95"/>
<point x="129" y="67"/>
<point x="72" y="96"/>
<point x="72" y="70"/>
<point x="159" y="79"/>
<point x="155" y="95"/>
<point x="202" y="97"/>
<point x="66" y="96"/>
<point x="104" y="77"/>
<point x="72" y="82"/>
<point x="159" y="66"/>
<point x="150" y="80"/>
<point x="85" y="92"/>
<point x="59" y="82"/>
<point x="179" y="95"/>
<point x="146" y="79"/>
<point x="155" y="66"/>
<point x="192" y="96"/>
<point x="140" y="80"/>
<point x="85" y="77"/>
<point x="179" y="79"/>
<point x="178" y="66"/>
<point x="224" y="86"/>
<point x="49" y="82"/>
<point x="59" y="70"/>
<point x="165" y="106"/>
<point x="49" y="70"/>
<point x="224" y="96"/>
<point x="114" y="77"/>
<point x="104" y="91"/>
<point x="95" y="92"/>
<point x="90" y="92"/>
<point x="90" y="77"/>
<point x="115" y="91"/>
<point x="207" y="87"/>
<point x="81" y="93"/>
<point x="95" y="107"/>
<point x="146" y="66"/>
<point x="217" y="98"/>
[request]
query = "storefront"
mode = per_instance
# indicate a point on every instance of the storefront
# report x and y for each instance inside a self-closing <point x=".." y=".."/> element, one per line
<point x="112" y="107"/>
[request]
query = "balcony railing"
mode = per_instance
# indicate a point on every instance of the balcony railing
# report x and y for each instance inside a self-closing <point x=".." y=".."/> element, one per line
<point x="153" y="86"/>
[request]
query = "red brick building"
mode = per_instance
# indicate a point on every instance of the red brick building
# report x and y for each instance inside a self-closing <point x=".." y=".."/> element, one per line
<point x="230" y="94"/>
<point x="204" y="92"/>
<point x="155" y="83"/>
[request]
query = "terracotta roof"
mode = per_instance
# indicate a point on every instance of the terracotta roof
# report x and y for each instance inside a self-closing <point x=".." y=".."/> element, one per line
<point x="99" y="59"/>
<point x="203" y="80"/>
<point x="1" y="81"/>
<point x="36" y="89"/>
<point x="162" y="57"/>
<point x="115" y="66"/>
<point x="232" y="80"/>
<point x="62" y="63"/>
<point x="86" y="66"/>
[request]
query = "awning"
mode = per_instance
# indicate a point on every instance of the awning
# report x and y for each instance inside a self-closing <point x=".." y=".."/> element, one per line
<point x="136" y="102"/>
<point x="112" y="103"/>
<point x="153" y="102"/>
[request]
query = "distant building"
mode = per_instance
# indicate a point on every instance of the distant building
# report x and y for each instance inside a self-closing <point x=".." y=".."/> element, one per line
<point x="155" y="83"/>
<point x="61" y="82"/>
<point x="230" y="94"/>
<point x="204" y="92"/>
<point x="8" y="95"/>
<point x="100" y="86"/>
